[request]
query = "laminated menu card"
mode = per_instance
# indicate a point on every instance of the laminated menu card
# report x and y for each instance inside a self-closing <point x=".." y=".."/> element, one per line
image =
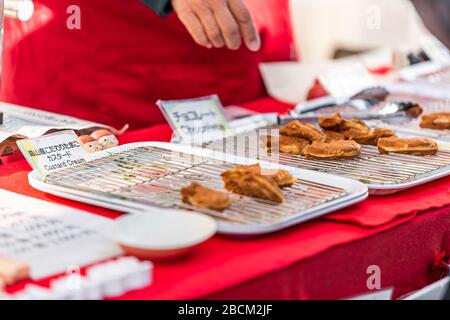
<point x="51" y="238"/>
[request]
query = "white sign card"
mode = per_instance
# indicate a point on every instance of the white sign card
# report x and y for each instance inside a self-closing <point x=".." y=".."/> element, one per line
<point x="54" y="152"/>
<point x="196" y="120"/>
<point x="347" y="80"/>
<point x="51" y="238"/>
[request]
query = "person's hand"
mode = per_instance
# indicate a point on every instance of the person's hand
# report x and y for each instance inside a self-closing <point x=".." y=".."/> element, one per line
<point x="218" y="23"/>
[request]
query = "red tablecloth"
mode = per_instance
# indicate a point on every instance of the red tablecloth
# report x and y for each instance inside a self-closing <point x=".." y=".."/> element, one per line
<point x="325" y="258"/>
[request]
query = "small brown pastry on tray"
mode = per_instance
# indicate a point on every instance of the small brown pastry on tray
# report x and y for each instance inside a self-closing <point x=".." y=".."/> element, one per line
<point x="374" y="135"/>
<point x="253" y="185"/>
<point x="439" y="121"/>
<point x="334" y="150"/>
<point x="332" y="123"/>
<point x="282" y="177"/>
<point x="413" y="146"/>
<point x="289" y="145"/>
<point x="333" y="135"/>
<point x="354" y="129"/>
<point x="242" y="169"/>
<point x="413" y="110"/>
<point x="292" y="145"/>
<point x="306" y="131"/>
<point x="199" y="196"/>
<point x="247" y="181"/>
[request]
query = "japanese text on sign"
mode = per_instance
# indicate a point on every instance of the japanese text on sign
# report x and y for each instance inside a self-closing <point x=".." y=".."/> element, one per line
<point x="53" y="152"/>
<point x="196" y="120"/>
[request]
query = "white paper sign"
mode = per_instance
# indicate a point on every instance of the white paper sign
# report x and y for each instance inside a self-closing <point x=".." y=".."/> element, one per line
<point x="347" y="80"/>
<point x="54" y="152"/>
<point x="51" y="238"/>
<point x="196" y="120"/>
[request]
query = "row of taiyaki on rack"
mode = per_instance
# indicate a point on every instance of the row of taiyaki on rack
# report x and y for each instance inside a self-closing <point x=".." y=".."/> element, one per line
<point x="342" y="139"/>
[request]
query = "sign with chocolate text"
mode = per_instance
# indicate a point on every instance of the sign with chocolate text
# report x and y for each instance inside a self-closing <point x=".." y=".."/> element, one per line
<point x="196" y="120"/>
<point x="53" y="152"/>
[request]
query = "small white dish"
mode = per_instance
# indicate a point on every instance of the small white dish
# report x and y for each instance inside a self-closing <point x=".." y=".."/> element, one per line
<point x="162" y="233"/>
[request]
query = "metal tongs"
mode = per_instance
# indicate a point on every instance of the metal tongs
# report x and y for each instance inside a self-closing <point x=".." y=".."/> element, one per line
<point x="362" y="101"/>
<point x="390" y="110"/>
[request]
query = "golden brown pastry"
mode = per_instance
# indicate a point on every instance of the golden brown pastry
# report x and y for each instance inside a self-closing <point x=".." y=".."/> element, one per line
<point x="354" y="129"/>
<point x="333" y="135"/>
<point x="247" y="169"/>
<point x="354" y="124"/>
<point x="240" y="171"/>
<point x="251" y="184"/>
<point x="414" y="110"/>
<point x="344" y="149"/>
<point x="332" y="123"/>
<point x="281" y="177"/>
<point x="414" y="146"/>
<point x="290" y="145"/>
<point x="199" y="196"/>
<point x="439" y="121"/>
<point x="306" y="131"/>
<point x="374" y="135"/>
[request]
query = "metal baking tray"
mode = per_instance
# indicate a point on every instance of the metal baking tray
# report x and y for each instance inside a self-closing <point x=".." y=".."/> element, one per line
<point x="383" y="174"/>
<point x="142" y="176"/>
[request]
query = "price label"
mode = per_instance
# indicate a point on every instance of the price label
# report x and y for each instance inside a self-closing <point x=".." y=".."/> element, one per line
<point x="53" y="152"/>
<point x="196" y="120"/>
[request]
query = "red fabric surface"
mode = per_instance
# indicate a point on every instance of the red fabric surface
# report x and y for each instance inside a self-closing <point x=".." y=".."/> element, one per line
<point x="404" y="254"/>
<point x="124" y="58"/>
<point x="379" y="210"/>
<point x="197" y="275"/>
<point x="211" y="268"/>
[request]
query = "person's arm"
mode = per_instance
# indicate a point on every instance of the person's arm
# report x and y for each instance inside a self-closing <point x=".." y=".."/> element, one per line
<point x="161" y="7"/>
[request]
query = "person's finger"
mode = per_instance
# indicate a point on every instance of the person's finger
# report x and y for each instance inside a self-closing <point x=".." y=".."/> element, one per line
<point x="210" y="26"/>
<point x="195" y="28"/>
<point x="229" y="27"/>
<point x="246" y="24"/>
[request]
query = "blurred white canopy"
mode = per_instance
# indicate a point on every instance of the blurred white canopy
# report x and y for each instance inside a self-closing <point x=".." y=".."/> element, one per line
<point x="321" y="26"/>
